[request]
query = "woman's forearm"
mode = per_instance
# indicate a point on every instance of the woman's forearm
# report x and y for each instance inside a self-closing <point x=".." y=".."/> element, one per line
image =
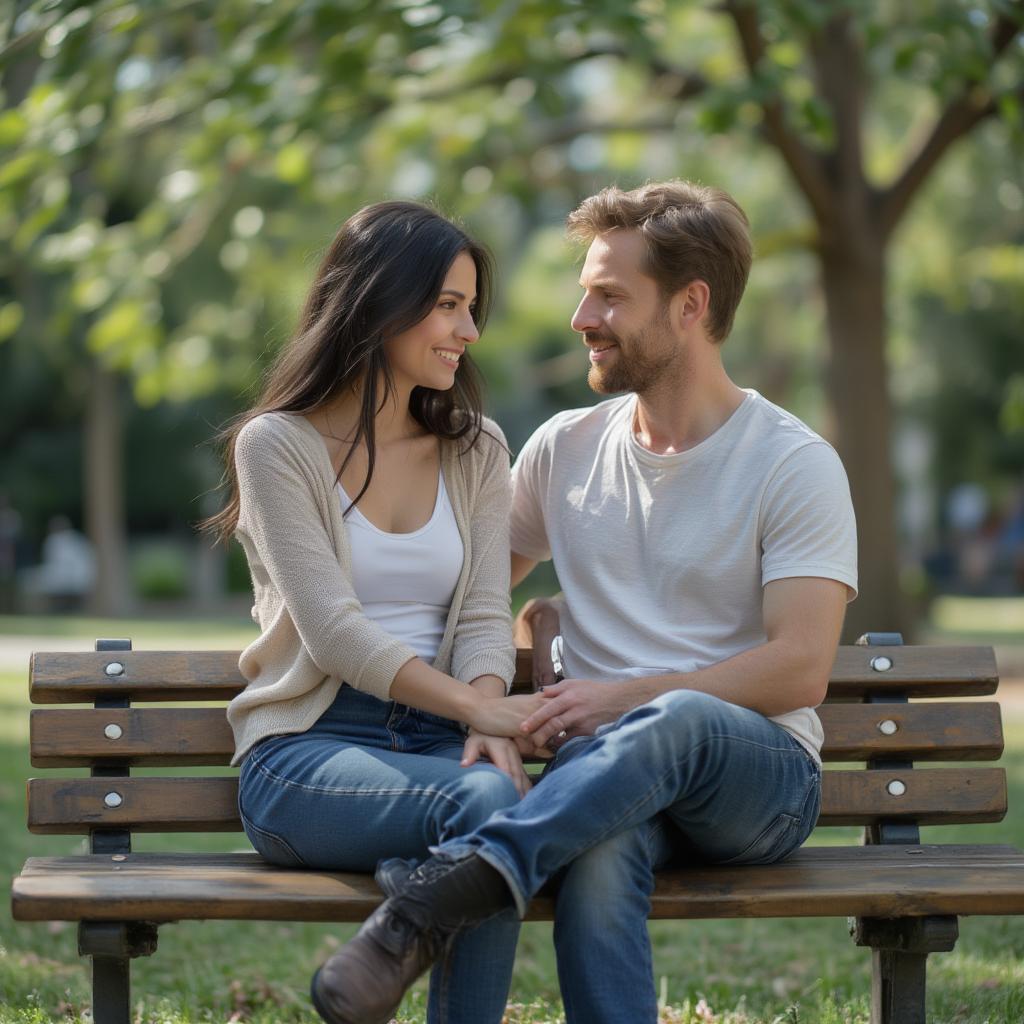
<point x="421" y="686"/>
<point x="481" y="705"/>
<point x="489" y="686"/>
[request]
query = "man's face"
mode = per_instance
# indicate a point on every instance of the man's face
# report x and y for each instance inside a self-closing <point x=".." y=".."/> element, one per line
<point x="623" y="317"/>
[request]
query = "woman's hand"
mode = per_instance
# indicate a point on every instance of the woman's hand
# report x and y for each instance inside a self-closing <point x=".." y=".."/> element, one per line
<point x="502" y="752"/>
<point x="503" y="716"/>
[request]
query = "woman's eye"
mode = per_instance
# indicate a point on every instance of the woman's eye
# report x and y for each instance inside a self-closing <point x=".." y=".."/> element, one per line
<point x="448" y="304"/>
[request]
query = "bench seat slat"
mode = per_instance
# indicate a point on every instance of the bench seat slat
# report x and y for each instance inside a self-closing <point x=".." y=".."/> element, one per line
<point x="842" y="881"/>
<point x="73" y="806"/>
<point x="201" y="736"/>
<point x="79" y="677"/>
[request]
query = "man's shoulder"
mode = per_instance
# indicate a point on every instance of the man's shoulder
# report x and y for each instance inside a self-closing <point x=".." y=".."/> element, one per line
<point x="780" y="430"/>
<point x="581" y="424"/>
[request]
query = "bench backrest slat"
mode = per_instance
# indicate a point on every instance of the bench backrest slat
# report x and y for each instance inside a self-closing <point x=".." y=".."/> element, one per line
<point x="73" y="806"/>
<point x="202" y="736"/>
<point x="893" y="731"/>
<point x="81" y="676"/>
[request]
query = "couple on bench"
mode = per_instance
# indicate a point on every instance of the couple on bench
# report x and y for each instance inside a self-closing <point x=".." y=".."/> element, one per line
<point x="704" y="539"/>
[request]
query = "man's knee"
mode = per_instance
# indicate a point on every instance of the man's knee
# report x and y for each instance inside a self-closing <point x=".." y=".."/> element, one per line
<point x="619" y="866"/>
<point x="683" y="719"/>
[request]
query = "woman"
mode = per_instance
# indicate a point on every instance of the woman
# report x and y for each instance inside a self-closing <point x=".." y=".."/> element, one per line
<point x="371" y="500"/>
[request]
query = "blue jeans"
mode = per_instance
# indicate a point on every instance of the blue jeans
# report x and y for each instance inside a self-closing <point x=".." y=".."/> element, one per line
<point x="371" y="780"/>
<point x="687" y="777"/>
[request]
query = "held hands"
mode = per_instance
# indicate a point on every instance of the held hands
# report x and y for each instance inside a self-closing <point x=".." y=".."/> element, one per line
<point x="503" y="716"/>
<point x="502" y="752"/>
<point x="577" y="707"/>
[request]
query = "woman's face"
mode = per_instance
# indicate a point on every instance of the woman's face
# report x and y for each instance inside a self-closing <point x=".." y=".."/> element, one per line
<point x="427" y="355"/>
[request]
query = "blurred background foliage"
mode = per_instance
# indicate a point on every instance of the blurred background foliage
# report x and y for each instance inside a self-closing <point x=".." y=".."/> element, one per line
<point x="172" y="169"/>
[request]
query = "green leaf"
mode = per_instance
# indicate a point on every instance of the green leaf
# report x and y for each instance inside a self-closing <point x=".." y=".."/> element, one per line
<point x="11" y="317"/>
<point x="292" y="164"/>
<point x="12" y="127"/>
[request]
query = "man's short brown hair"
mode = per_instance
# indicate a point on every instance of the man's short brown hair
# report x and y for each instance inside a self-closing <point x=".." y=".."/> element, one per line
<point x="692" y="232"/>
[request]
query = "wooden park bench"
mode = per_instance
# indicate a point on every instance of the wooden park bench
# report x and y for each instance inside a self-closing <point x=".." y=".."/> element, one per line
<point x="904" y="897"/>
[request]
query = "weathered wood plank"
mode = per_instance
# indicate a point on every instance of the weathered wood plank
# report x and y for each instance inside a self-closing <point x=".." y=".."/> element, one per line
<point x="201" y="736"/>
<point x="925" y="795"/>
<point x="79" y="677"/>
<point x="942" y="731"/>
<point x="131" y="736"/>
<point x="815" y="882"/>
<point x="73" y="806"/>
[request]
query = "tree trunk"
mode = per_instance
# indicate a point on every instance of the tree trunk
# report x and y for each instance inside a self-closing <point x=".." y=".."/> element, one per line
<point x="853" y="277"/>
<point x="104" y="493"/>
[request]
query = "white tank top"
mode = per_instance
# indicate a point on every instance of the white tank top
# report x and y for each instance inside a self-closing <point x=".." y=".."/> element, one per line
<point x="406" y="581"/>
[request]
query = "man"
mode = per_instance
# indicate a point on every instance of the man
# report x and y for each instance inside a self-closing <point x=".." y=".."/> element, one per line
<point x="705" y="542"/>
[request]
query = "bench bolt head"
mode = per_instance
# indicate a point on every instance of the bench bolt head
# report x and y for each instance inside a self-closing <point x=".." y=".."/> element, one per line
<point x="113" y="732"/>
<point x="115" y="668"/>
<point x="880" y="663"/>
<point x="113" y="800"/>
<point x="896" y="788"/>
<point x="887" y="727"/>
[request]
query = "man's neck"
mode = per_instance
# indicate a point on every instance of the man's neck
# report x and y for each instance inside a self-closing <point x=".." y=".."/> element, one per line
<point x="680" y="414"/>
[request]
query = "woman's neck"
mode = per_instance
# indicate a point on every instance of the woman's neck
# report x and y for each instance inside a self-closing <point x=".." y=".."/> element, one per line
<point x="339" y="418"/>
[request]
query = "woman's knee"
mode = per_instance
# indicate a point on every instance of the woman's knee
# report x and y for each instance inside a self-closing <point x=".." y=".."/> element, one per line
<point x="481" y="791"/>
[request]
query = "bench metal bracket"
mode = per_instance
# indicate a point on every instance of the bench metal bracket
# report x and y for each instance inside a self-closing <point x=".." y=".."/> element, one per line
<point x="899" y="955"/>
<point x="119" y="939"/>
<point x="112" y="945"/>
<point x="111" y="840"/>
<point x="899" y="947"/>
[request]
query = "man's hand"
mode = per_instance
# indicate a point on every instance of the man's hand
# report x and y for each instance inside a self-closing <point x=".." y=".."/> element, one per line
<point x="537" y="625"/>
<point x="577" y="707"/>
<point x="502" y="752"/>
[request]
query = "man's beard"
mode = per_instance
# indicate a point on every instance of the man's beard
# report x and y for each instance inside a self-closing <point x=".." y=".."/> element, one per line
<point x="636" y="368"/>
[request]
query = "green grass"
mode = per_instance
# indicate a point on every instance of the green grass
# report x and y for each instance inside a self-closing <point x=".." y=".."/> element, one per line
<point x="803" y="971"/>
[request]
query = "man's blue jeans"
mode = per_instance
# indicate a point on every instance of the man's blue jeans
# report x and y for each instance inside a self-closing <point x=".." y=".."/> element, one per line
<point x="370" y="780"/>
<point x="687" y="777"/>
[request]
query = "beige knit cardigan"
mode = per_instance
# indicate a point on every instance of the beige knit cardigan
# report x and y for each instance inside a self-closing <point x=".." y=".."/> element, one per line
<point x="314" y="634"/>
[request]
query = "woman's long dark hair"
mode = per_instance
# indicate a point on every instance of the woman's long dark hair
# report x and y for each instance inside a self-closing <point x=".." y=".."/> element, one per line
<point x="382" y="275"/>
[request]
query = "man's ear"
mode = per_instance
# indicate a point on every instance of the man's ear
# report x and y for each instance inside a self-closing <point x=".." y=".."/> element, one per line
<point x="691" y="304"/>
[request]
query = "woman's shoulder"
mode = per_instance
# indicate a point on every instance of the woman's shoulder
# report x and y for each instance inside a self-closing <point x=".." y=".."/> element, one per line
<point x="492" y="434"/>
<point x="271" y="434"/>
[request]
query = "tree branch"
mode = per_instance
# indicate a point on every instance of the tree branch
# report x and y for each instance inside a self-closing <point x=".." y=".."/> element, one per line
<point x="804" y="164"/>
<point x="974" y="103"/>
<point x="671" y="82"/>
<point x="568" y="129"/>
<point x="839" y="67"/>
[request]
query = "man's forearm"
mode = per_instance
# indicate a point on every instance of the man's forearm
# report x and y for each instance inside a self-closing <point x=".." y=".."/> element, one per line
<point x="772" y="678"/>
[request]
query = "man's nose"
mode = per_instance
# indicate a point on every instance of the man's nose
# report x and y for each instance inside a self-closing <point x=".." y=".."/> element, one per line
<point x="586" y="317"/>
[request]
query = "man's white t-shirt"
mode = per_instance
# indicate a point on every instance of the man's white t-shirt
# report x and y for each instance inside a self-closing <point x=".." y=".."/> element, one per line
<point x="662" y="558"/>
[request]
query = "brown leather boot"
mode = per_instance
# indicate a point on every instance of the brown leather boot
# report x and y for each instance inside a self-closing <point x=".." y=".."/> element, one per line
<point x="364" y="982"/>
